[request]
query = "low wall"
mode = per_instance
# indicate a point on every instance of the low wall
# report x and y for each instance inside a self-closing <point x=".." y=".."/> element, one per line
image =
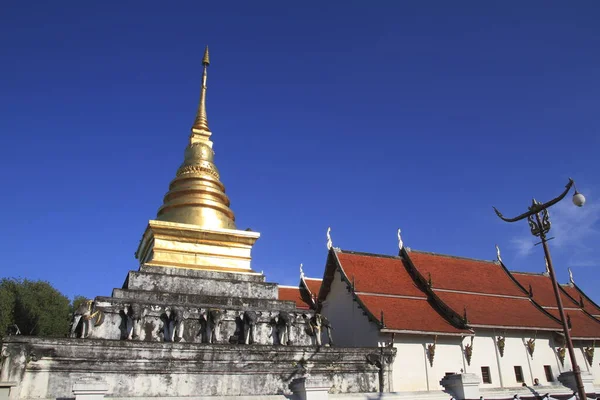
<point x="48" y="368"/>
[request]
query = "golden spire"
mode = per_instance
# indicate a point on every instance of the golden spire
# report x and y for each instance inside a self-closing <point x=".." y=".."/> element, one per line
<point x="196" y="196"/>
<point x="201" y="122"/>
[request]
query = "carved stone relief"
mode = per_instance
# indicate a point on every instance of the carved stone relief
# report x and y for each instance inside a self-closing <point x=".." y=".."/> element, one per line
<point x="85" y="319"/>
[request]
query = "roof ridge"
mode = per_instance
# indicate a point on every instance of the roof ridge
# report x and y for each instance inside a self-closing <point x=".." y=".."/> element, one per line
<point x="362" y="253"/>
<point x="529" y="273"/>
<point x="452" y="256"/>
<point x="567" y="285"/>
<point x="510" y="296"/>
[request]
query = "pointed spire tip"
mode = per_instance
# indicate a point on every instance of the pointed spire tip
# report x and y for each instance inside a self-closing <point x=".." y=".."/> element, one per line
<point x="206" y="59"/>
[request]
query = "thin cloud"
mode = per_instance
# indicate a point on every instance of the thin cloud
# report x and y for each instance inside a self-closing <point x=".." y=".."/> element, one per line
<point x="523" y="245"/>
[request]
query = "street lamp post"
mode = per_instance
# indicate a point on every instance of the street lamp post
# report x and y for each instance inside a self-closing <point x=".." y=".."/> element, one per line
<point x="539" y="223"/>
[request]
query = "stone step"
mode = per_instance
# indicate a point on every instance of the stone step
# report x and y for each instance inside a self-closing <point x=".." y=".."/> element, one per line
<point x="201" y="300"/>
<point x="209" y="287"/>
<point x="200" y="273"/>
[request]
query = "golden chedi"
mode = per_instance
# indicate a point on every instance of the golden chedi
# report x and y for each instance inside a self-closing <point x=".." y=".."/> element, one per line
<point x="196" y="195"/>
<point x="195" y="227"/>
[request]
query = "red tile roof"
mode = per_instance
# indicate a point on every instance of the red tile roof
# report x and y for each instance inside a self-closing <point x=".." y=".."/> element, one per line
<point x="314" y="285"/>
<point x="518" y="312"/>
<point x="293" y="294"/>
<point x="491" y="296"/>
<point x="577" y="294"/>
<point x="408" y="314"/>
<point x="543" y="292"/>
<point x="378" y="274"/>
<point x="382" y="283"/>
<point x="583" y="326"/>
<point x="465" y="274"/>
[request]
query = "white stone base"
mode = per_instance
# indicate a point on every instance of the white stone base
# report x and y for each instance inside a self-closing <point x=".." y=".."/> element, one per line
<point x="90" y="388"/>
<point x="6" y="389"/>
<point x="309" y="388"/>
<point x="462" y="386"/>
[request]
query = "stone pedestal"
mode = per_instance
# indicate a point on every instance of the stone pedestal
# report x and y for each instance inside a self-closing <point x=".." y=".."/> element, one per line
<point x="462" y="386"/>
<point x="90" y="389"/>
<point x="5" y="390"/>
<point x="568" y="380"/>
<point x="310" y="388"/>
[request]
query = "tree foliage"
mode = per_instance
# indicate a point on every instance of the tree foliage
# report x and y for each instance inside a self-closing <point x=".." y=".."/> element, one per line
<point x="35" y="307"/>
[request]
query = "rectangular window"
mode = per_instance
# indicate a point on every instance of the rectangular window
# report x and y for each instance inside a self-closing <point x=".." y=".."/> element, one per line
<point x="519" y="373"/>
<point x="485" y="375"/>
<point x="549" y="374"/>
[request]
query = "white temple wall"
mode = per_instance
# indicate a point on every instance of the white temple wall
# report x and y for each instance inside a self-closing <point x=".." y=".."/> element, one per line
<point x="516" y="354"/>
<point x="579" y="356"/>
<point x="484" y="355"/>
<point x="410" y="365"/>
<point x="584" y="366"/>
<point x="412" y="370"/>
<point x="544" y="354"/>
<point x="595" y="368"/>
<point x="351" y="327"/>
<point x="581" y="360"/>
<point x="448" y="359"/>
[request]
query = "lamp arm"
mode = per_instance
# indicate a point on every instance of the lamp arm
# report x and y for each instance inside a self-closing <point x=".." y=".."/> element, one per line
<point x="535" y="208"/>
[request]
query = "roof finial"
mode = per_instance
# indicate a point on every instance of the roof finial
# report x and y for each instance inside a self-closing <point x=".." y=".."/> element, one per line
<point x="301" y="272"/>
<point x="571" y="276"/>
<point x="498" y="254"/>
<point x="400" y="242"/>
<point x="547" y="266"/>
<point x="201" y="122"/>
<point x="329" y="242"/>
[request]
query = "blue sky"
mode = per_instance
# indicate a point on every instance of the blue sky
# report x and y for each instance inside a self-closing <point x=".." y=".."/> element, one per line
<point x="362" y="117"/>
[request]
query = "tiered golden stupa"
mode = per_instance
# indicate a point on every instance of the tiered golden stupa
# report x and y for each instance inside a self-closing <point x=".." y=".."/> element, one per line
<point x="195" y="227"/>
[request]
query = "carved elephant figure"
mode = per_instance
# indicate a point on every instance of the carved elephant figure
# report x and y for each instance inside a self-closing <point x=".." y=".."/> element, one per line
<point x="250" y="318"/>
<point x="85" y="318"/>
<point x="283" y="325"/>
<point x="174" y="324"/>
<point x="135" y="320"/>
<point x="4" y="364"/>
<point x="210" y="320"/>
<point x="328" y="328"/>
<point x="316" y="323"/>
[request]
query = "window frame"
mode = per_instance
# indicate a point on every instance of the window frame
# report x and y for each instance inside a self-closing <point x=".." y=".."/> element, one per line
<point x="549" y="373"/>
<point x="483" y="374"/>
<point x="519" y="372"/>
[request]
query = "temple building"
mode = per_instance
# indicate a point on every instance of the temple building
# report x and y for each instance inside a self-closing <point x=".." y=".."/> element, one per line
<point x="197" y="320"/>
<point x="448" y="315"/>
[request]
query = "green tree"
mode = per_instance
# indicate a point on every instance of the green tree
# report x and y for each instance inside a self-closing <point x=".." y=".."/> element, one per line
<point x="7" y="304"/>
<point x="34" y="306"/>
